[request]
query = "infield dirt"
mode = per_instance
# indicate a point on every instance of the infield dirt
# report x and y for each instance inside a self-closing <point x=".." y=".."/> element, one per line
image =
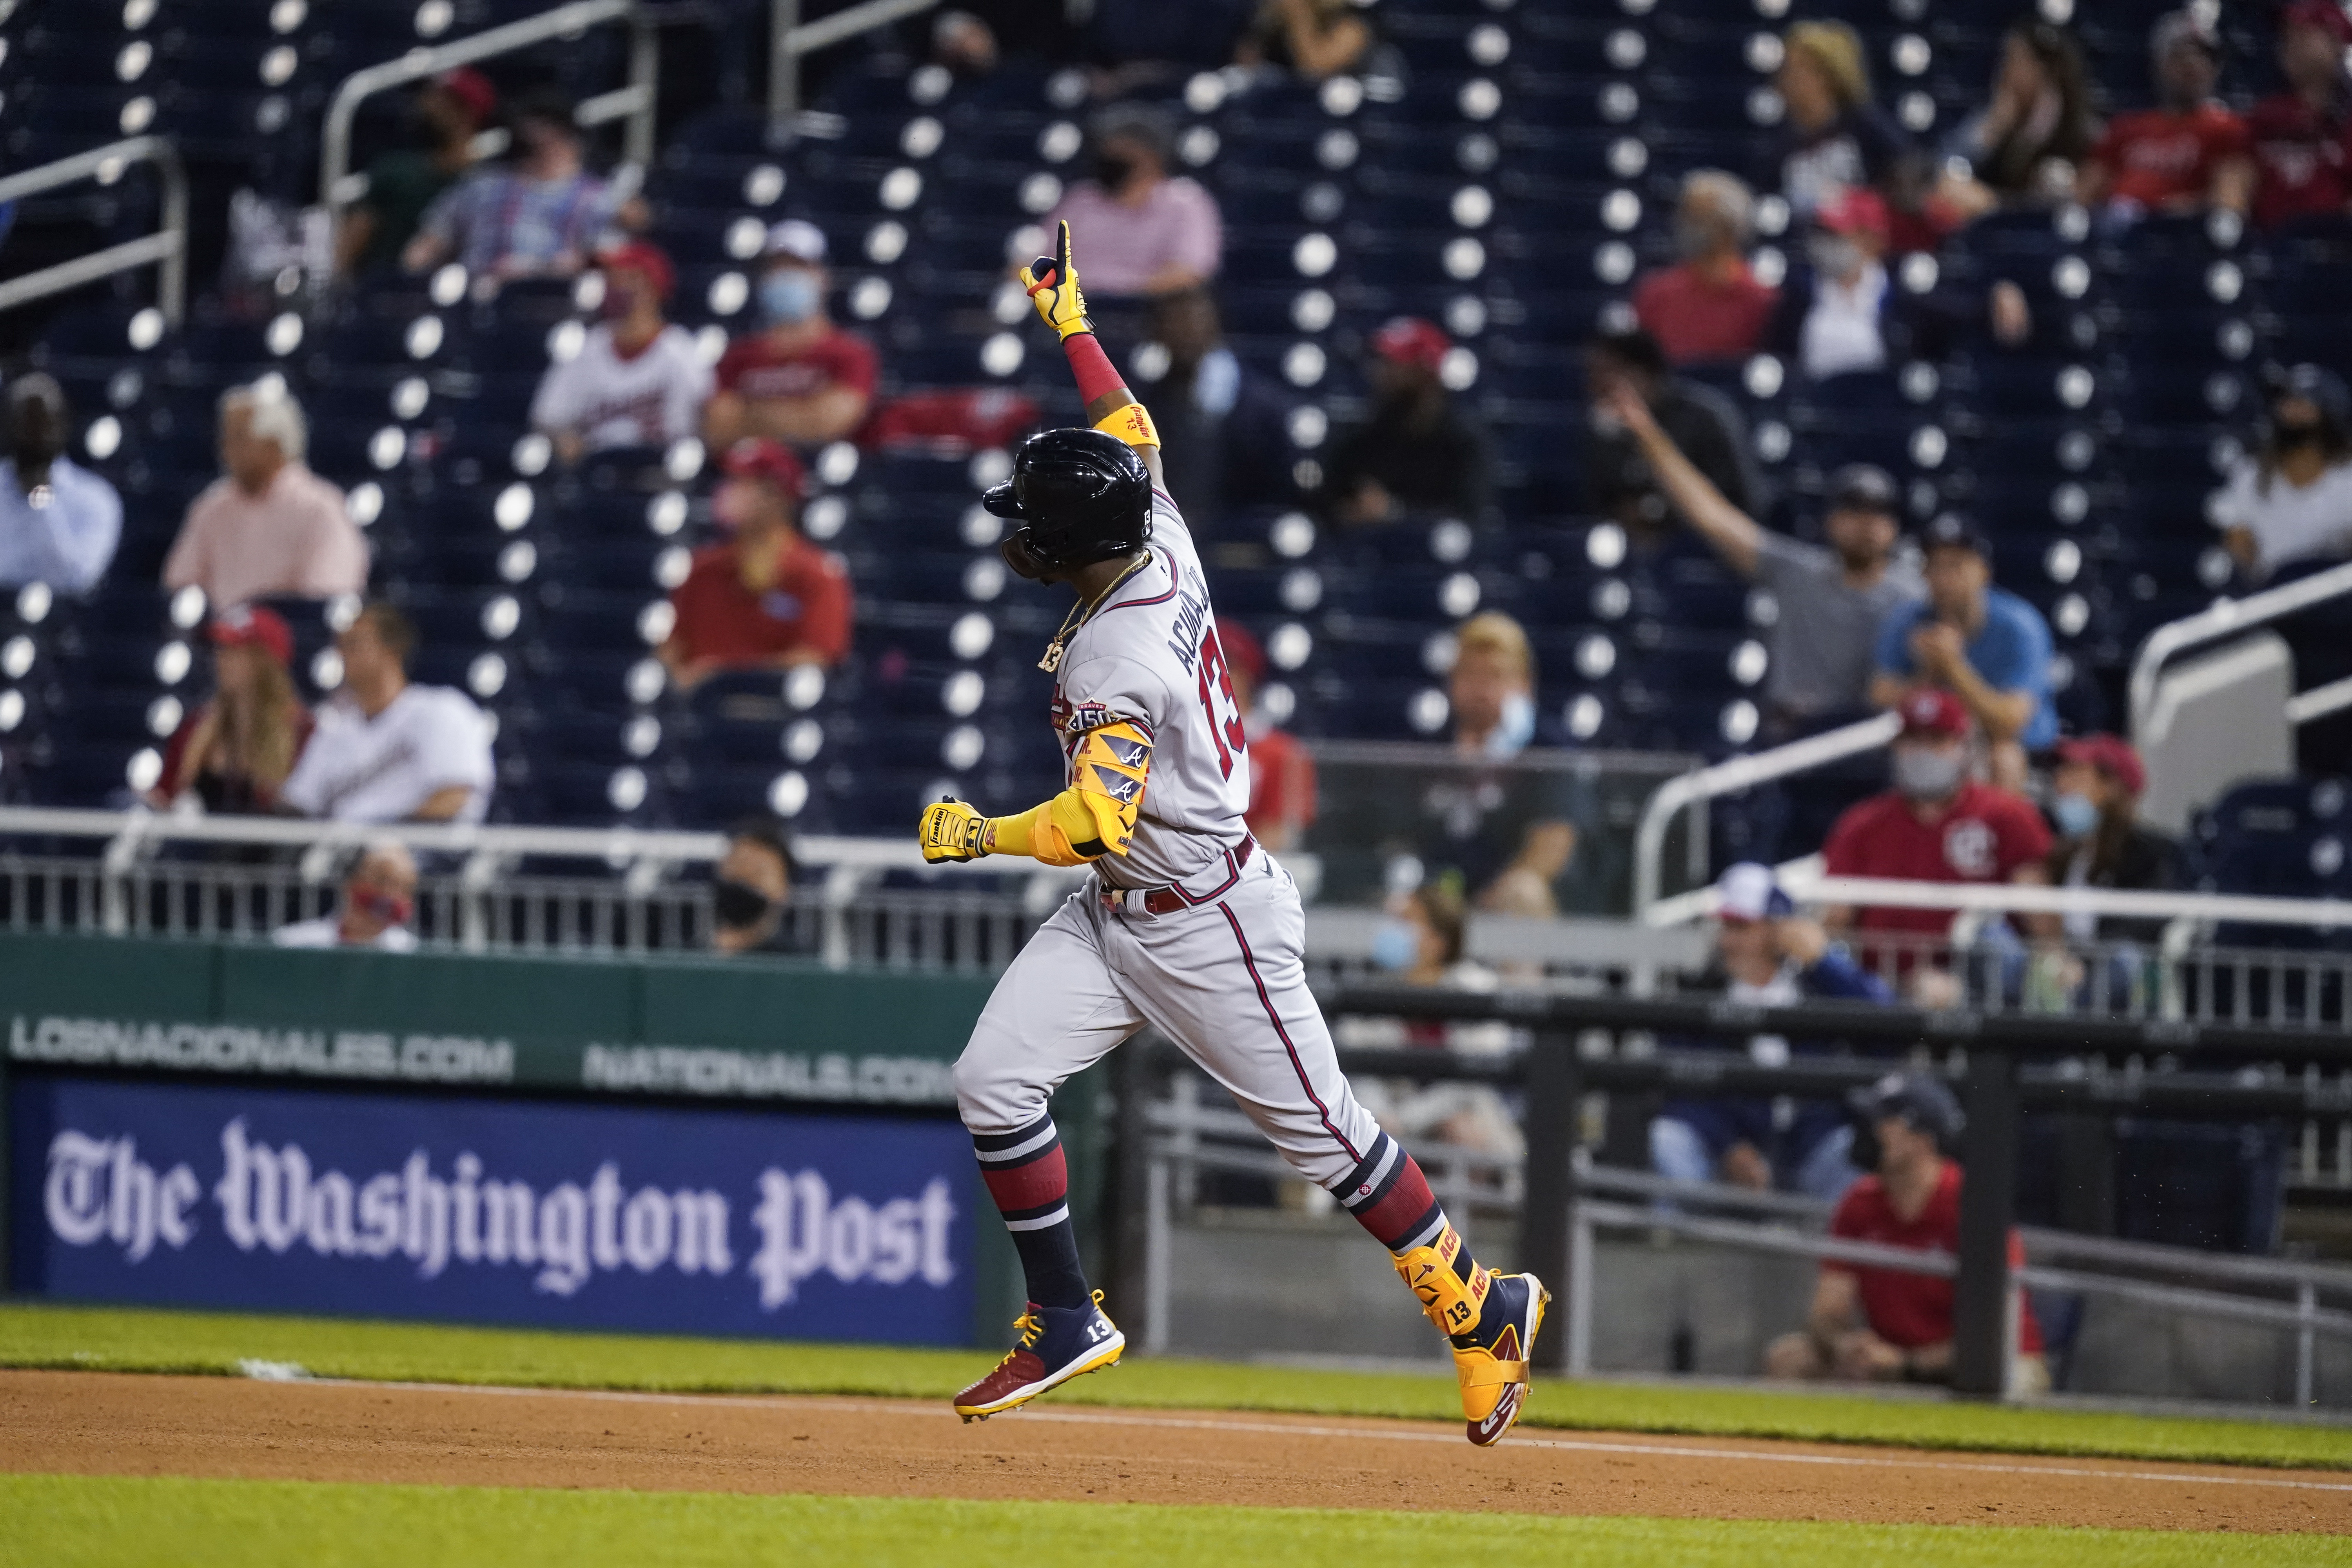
<point x="111" y="1423"/>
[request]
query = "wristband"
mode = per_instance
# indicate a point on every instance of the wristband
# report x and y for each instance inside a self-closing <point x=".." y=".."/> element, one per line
<point x="1131" y="425"/>
<point x="1097" y="377"/>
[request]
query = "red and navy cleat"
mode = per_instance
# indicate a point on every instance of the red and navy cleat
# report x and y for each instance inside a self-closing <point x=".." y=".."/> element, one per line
<point x="1057" y="1344"/>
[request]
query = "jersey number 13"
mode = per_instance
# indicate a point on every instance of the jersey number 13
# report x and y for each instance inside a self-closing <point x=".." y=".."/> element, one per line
<point x="1216" y="681"/>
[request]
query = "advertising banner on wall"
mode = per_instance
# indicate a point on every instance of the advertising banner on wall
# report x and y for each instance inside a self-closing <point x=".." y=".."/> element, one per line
<point x="558" y="1215"/>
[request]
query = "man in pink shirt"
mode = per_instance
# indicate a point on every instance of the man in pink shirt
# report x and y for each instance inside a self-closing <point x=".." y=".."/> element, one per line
<point x="1143" y="232"/>
<point x="269" y="526"/>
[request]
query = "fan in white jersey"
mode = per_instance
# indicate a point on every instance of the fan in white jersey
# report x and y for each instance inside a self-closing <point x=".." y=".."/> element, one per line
<point x="1184" y="925"/>
<point x="636" y="381"/>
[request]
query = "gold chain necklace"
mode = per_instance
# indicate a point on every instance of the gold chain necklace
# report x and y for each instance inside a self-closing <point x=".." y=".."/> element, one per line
<point x="1079" y="614"/>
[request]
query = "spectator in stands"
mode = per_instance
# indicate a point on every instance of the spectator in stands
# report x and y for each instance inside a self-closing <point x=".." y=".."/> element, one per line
<point x="1710" y="305"/>
<point x="2095" y="806"/>
<point x="1420" y="451"/>
<point x="766" y="599"/>
<point x="233" y="753"/>
<point x="1620" y="481"/>
<point x="1833" y="137"/>
<point x="449" y="110"/>
<point x="1421" y="941"/>
<point x="2290" y="499"/>
<point x="1507" y="830"/>
<point x="537" y="216"/>
<point x="1936" y="824"/>
<point x="1313" y="38"/>
<point x="386" y="749"/>
<point x="1842" y="313"/>
<point x="2026" y="145"/>
<point x="1770" y="956"/>
<point x="965" y="43"/>
<point x="269" y="526"/>
<point x="800" y="378"/>
<point x="1832" y="599"/>
<point x="1884" y="1325"/>
<point x="751" y="890"/>
<point x="2187" y="154"/>
<point x="637" y="381"/>
<point x="2303" y="136"/>
<point x="379" y="900"/>
<point x="1282" y="771"/>
<point x="1227" y="426"/>
<point x="59" y="524"/>
<point x="1982" y="644"/>
<point x="1141" y="232"/>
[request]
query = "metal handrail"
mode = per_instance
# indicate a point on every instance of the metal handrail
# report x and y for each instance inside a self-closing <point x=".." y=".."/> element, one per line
<point x="167" y="247"/>
<point x="790" y="39"/>
<point x="2219" y="621"/>
<point x="337" y="187"/>
<point x="1737" y="774"/>
<point x="2247" y="909"/>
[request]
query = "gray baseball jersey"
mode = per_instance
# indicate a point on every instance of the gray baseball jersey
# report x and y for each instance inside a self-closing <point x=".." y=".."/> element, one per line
<point x="1223" y="976"/>
<point x="1150" y="656"/>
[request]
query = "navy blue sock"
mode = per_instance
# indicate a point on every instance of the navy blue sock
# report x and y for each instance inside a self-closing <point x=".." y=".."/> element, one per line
<point x="1031" y="1183"/>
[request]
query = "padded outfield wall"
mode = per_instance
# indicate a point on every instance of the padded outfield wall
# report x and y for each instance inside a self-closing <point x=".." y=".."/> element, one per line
<point x="692" y="1145"/>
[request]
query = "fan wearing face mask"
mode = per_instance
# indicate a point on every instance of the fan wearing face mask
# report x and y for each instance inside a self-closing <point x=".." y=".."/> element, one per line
<point x="1936" y="824"/>
<point x="637" y="380"/>
<point x="1710" y="305"/>
<point x="1144" y="232"/>
<point x="800" y="379"/>
<point x="2094" y="805"/>
<point x="751" y="892"/>
<point x="2290" y="499"/>
<point x="379" y="899"/>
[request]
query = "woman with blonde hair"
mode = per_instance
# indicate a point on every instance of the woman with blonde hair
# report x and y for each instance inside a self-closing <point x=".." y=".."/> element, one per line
<point x="233" y="754"/>
<point x="1833" y="136"/>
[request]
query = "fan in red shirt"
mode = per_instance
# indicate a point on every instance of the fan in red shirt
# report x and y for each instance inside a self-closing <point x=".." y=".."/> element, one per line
<point x="2303" y="137"/>
<point x="2185" y="155"/>
<point x="1873" y="1324"/>
<point x="800" y="379"/>
<point x="1936" y="824"/>
<point x="767" y="599"/>
<point x="1282" y="773"/>
<point x="1710" y="305"/>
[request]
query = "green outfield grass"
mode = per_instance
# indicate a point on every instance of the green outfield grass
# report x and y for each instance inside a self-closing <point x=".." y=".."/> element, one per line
<point x="123" y="1340"/>
<point x="68" y="1521"/>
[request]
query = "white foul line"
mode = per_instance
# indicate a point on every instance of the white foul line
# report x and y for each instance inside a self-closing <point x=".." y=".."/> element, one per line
<point x="1519" y="1439"/>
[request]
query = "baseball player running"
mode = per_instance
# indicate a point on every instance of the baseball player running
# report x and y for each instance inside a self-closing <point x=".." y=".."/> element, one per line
<point x="1185" y="925"/>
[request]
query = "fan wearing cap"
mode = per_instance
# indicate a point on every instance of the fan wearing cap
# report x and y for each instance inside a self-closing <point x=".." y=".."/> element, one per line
<point x="637" y="381"/>
<point x="538" y="215"/>
<point x="2303" y="135"/>
<point x="59" y="524"/>
<point x="1841" y="313"/>
<point x="2095" y="793"/>
<point x="2187" y="154"/>
<point x="1282" y="771"/>
<point x="1704" y="425"/>
<point x="1886" y="1325"/>
<point x="800" y="378"/>
<point x="1982" y="644"/>
<point x="1936" y="824"/>
<point x="1771" y="956"/>
<point x="767" y="598"/>
<point x="447" y="113"/>
<point x="1832" y="599"/>
<point x="2290" y="499"/>
<point x="1419" y="452"/>
<point x="233" y="753"/>
<point x="1144" y="233"/>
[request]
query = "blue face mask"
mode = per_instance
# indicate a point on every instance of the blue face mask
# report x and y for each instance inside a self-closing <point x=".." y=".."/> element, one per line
<point x="789" y="295"/>
<point x="1396" y="945"/>
<point x="1510" y="737"/>
<point x="2074" y="815"/>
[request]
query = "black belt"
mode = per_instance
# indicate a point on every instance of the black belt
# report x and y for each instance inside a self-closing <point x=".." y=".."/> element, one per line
<point x="1167" y="900"/>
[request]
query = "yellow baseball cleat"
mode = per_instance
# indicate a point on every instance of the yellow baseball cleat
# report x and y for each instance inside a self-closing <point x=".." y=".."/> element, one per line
<point x="1489" y="1320"/>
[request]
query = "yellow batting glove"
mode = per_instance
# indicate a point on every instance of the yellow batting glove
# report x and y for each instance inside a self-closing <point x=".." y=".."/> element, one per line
<point x="953" y="829"/>
<point x="1053" y="284"/>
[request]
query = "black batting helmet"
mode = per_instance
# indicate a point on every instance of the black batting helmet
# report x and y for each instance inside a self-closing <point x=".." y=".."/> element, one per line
<point x="1078" y="496"/>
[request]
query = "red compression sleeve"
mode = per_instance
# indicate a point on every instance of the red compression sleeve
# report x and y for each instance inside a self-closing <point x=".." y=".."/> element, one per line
<point x="1097" y="375"/>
